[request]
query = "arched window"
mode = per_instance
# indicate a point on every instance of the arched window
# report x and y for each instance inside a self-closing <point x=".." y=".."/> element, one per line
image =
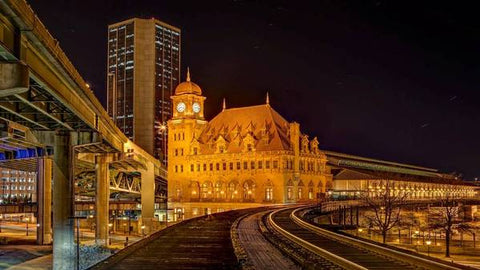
<point x="219" y="190"/>
<point x="207" y="190"/>
<point x="248" y="190"/>
<point x="232" y="190"/>
<point x="289" y="193"/>
<point x="194" y="190"/>
<point x="268" y="194"/>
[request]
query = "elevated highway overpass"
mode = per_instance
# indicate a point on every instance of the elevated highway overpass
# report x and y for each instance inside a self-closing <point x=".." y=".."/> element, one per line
<point x="51" y="123"/>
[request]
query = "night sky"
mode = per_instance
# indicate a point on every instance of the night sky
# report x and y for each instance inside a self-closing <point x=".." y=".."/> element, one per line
<point x="394" y="80"/>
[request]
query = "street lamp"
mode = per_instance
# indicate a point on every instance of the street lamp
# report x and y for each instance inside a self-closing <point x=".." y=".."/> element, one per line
<point x="428" y="242"/>
<point x="26" y="222"/>
<point x="109" y="230"/>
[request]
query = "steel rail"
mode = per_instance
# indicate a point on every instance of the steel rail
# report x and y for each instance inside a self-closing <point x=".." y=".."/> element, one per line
<point x="370" y="247"/>
<point x="313" y="248"/>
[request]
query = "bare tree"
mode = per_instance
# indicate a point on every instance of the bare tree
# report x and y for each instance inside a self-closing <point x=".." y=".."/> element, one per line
<point x="385" y="203"/>
<point x="445" y="218"/>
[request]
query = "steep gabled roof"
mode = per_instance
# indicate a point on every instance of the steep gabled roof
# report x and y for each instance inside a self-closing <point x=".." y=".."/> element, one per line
<point x="261" y="120"/>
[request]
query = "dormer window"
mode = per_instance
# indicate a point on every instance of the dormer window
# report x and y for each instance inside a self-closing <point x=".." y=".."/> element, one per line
<point x="249" y="147"/>
<point x="195" y="151"/>
<point x="221" y="149"/>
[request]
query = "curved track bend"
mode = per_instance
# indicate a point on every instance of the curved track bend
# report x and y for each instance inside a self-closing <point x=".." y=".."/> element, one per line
<point x="344" y="251"/>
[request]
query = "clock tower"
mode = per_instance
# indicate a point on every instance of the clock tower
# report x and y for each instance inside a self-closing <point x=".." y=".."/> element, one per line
<point x="188" y="100"/>
<point x="184" y="129"/>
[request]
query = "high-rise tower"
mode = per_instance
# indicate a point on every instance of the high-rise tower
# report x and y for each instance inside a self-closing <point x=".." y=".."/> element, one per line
<point x="143" y="69"/>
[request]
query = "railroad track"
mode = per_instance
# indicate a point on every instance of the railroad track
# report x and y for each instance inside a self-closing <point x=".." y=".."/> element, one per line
<point x="344" y="251"/>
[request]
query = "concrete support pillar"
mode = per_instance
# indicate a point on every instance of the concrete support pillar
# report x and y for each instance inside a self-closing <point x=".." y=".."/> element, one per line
<point x="148" y="198"/>
<point x="44" y="191"/>
<point x="101" y="200"/>
<point x="63" y="224"/>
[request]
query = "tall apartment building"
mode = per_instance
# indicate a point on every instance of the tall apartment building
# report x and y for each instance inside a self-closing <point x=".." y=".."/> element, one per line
<point x="143" y="71"/>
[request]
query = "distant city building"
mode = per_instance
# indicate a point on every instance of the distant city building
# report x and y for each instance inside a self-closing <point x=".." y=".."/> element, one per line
<point x="143" y="70"/>
<point x="252" y="154"/>
<point x="18" y="186"/>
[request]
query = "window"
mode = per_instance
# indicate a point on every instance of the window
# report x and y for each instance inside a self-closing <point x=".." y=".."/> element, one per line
<point x="181" y="168"/>
<point x="289" y="193"/>
<point x="231" y="166"/>
<point x="175" y="137"/>
<point x="310" y="193"/>
<point x="218" y="166"/>
<point x="238" y="165"/>
<point x="198" y="167"/>
<point x="249" y="147"/>
<point x="260" y="164"/>
<point x="181" y="151"/>
<point x="224" y="166"/>
<point x="268" y="194"/>
<point x="300" y="193"/>
<point x="245" y="165"/>
<point x="204" y="167"/>
<point x="176" y="152"/>
<point x="267" y="164"/>
<point x="221" y="149"/>
<point x="191" y="167"/>
<point x="275" y="164"/>
<point x="195" y="151"/>
<point x="176" y="168"/>
<point x="252" y="165"/>
<point x="211" y="166"/>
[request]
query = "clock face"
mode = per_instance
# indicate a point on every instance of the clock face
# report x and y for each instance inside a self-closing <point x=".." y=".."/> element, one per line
<point x="196" y="107"/>
<point x="181" y="107"/>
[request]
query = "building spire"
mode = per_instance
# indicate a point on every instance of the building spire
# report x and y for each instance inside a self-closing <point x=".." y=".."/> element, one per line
<point x="224" y="106"/>
<point x="267" y="99"/>
<point x="188" y="74"/>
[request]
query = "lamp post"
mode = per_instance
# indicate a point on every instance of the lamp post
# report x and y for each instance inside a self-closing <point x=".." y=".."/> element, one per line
<point x="26" y="223"/>
<point x="77" y="218"/>
<point x="143" y="230"/>
<point x="359" y="231"/>
<point x="110" y="225"/>
<point x="428" y="242"/>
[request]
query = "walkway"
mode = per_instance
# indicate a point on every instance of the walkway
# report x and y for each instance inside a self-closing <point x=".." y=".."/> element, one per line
<point x="201" y="243"/>
<point x="261" y="253"/>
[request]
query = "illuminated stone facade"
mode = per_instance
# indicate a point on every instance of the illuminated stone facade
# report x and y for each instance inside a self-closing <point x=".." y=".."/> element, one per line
<point x="252" y="154"/>
<point x="248" y="154"/>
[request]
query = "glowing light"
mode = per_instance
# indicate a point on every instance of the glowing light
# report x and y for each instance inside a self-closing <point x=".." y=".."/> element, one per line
<point x="110" y="224"/>
<point x="91" y="216"/>
<point x="87" y="85"/>
<point x="428" y="242"/>
<point x="360" y="230"/>
<point x="143" y="227"/>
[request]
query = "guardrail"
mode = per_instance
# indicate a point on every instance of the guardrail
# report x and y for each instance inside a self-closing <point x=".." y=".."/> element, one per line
<point x="317" y="250"/>
<point x="394" y="254"/>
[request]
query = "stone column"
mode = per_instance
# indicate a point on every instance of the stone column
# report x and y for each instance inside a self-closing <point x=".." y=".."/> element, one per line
<point x="148" y="197"/>
<point x="102" y="200"/>
<point x="63" y="224"/>
<point x="44" y="199"/>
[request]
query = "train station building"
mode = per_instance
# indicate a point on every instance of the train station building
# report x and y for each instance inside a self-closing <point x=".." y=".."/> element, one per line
<point x="253" y="154"/>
